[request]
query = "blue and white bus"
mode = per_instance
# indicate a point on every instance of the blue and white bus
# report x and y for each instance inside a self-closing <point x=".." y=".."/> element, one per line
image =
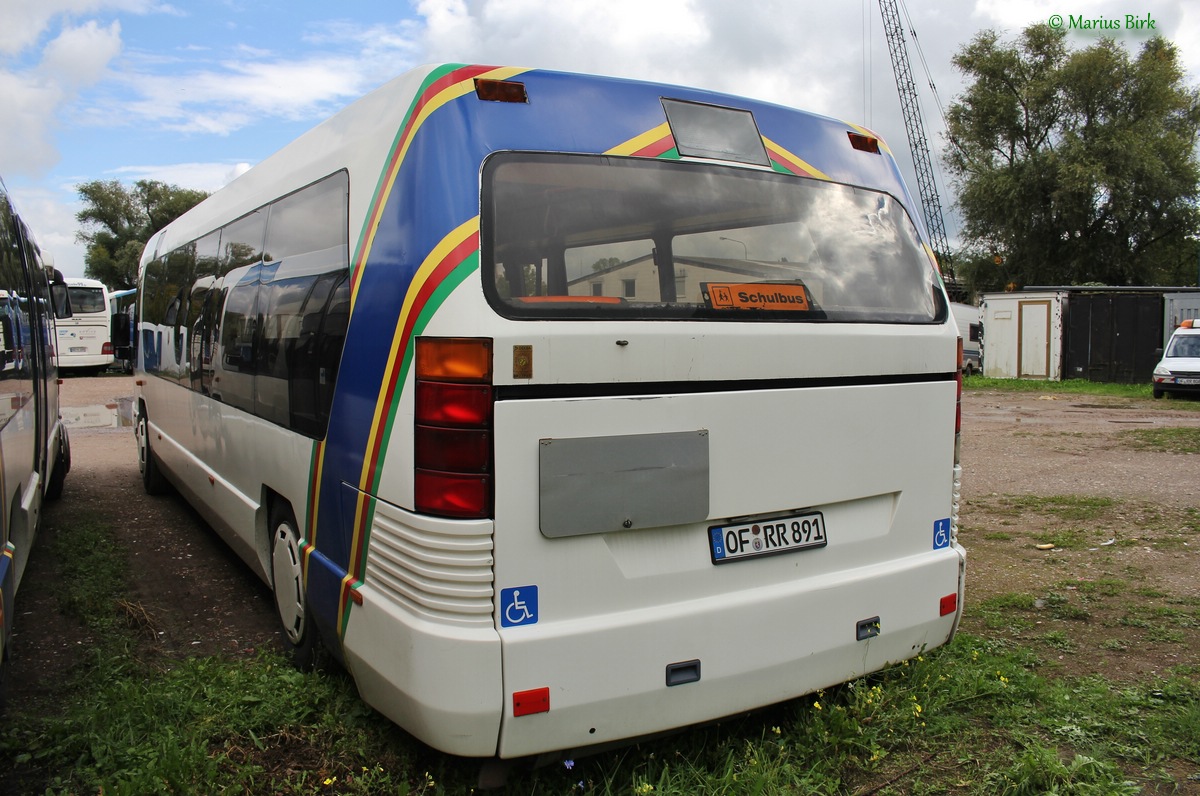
<point x="35" y="453"/>
<point x="563" y="409"/>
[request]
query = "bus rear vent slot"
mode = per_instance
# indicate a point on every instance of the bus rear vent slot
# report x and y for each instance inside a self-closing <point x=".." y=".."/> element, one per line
<point x="681" y="673"/>
<point x="867" y="628"/>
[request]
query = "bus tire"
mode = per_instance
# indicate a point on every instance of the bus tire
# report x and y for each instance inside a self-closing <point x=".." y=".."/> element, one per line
<point x="152" y="477"/>
<point x="287" y="584"/>
<point x="62" y="466"/>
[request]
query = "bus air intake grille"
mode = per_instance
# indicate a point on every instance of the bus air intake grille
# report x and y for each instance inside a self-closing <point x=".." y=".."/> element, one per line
<point x="443" y="577"/>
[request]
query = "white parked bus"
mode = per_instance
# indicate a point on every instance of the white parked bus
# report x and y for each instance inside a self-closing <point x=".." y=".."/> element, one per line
<point x="565" y="409"/>
<point x="35" y="453"/>
<point x="84" y="342"/>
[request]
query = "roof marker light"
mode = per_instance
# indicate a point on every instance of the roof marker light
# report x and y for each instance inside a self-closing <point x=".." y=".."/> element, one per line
<point x="864" y="143"/>
<point x="500" y="90"/>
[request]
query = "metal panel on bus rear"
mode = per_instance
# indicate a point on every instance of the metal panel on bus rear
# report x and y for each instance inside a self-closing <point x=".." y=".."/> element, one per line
<point x="874" y="459"/>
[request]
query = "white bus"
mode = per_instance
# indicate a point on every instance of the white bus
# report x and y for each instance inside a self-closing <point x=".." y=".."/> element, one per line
<point x="35" y="453"/>
<point x="970" y="328"/>
<point x="84" y="342"/>
<point x="565" y="409"/>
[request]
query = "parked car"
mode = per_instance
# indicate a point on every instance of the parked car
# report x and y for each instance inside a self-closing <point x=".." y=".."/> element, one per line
<point x="1179" y="369"/>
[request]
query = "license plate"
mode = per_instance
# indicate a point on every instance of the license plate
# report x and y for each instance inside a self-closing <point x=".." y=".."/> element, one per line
<point x="766" y="537"/>
<point x="78" y="349"/>
<point x="1190" y="382"/>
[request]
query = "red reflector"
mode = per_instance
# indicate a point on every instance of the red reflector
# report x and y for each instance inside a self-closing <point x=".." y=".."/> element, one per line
<point x="463" y="450"/>
<point x="864" y="143"/>
<point x="500" y="90"/>
<point x="949" y="604"/>
<point x="441" y="404"/>
<point x="453" y="495"/>
<point x="527" y="702"/>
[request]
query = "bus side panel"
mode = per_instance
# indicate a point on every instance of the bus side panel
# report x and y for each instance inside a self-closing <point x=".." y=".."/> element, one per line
<point x="222" y="459"/>
<point x="875" y="460"/>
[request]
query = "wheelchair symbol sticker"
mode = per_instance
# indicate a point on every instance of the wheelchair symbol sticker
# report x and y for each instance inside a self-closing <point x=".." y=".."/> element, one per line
<point x="941" y="534"/>
<point x="519" y="606"/>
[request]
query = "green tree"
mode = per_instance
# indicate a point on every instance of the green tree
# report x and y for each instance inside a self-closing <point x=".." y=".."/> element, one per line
<point x="117" y="221"/>
<point x="1075" y="166"/>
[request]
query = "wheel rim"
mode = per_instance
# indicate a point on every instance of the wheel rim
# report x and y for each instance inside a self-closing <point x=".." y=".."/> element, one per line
<point x="289" y="581"/>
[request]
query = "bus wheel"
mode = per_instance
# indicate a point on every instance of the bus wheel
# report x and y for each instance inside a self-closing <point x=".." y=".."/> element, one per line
<point x="287" y="581"/>
<point x="152" y="477"/>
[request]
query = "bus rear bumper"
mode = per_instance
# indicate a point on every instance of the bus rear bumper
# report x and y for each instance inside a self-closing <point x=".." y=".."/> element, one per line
<point x="454" y="687"/>
<point x="727" y="655"/>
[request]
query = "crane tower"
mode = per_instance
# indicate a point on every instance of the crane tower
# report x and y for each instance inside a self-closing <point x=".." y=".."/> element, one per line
<point x="931" y="205"/>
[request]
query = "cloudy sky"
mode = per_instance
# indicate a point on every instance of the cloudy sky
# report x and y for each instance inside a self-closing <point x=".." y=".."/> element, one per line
<point x="193" y="93"/>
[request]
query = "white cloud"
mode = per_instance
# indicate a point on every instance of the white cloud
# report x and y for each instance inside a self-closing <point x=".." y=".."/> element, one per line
<point x="199" y="176"/>
<point x="25" y="21"/>
<point x="75" y="58"/>
<point x="79" y="55"/>
<point x="26" y="137"/>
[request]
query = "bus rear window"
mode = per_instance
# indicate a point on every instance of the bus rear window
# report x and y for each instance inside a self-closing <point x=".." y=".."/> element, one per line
<point x="581" y="236"/>
<point x="87" y="299"/>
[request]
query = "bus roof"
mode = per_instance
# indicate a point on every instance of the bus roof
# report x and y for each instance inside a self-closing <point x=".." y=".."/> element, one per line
<point x="557" y="112"/>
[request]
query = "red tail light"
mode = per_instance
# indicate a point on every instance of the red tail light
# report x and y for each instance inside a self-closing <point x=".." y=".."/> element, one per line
<point x="107" y="349"/>
<point x="453" y="434"/>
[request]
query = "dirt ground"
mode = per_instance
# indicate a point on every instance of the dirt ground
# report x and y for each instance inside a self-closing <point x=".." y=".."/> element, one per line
<point x="1116" y="590"/>
<point x="191" y="594"/>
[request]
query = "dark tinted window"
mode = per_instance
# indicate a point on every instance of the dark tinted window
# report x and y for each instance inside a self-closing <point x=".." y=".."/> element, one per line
<point x="241" y="241"/>
<point x="15" y="326"/>
<point x="309" y="221"/>
<point x="645" y="239"/>
<point x="261" y="329"/>
<point x="86" y="299"/>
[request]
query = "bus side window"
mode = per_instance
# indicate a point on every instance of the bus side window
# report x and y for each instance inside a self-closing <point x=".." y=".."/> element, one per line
<point x="238" y="332"/>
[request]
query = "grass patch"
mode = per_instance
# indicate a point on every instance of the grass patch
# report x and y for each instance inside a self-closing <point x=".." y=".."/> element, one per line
<point x="1065" y="386"/>
<point x="1075" y="509"/>
<point x="147" y="725"/>
<point x="1059" y="640"/>
<point x="1102" y="587"/>
<point x="1164" y="440"/>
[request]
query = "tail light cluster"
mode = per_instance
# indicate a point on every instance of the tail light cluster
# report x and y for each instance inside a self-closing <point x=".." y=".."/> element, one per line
<point x="106" y="349"/>
<point x="453" y="436"/>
